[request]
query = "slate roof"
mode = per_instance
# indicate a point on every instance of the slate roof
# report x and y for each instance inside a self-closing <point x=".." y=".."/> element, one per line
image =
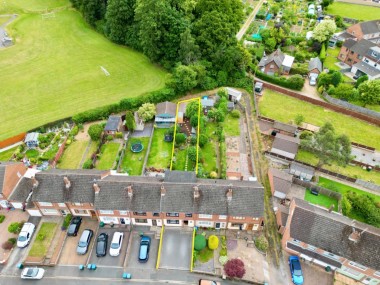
<point x="207" y="103"/>
<point x="180" y="176"/>
<point x="51" y="187"/>
<point x="112" y="123"/>
<point x="32" y="137"/>
<point x="330" y="232"/>
<point x="284" y="127"/>
<point x="247" y="198"/>
<point x="277" y="56"/>
<point x="166" y="108"/>
<point x="370" y="27"/>
<point x="361" y="47"/>
<point x="345" y="35"/>
<point x="349" y="43"/>
<point x="315" y="63"/>
<point x="286" y="143"/>
<point x="366" y="68"/>
<point x="22" y="190"/>
<point x="282" y="181"/>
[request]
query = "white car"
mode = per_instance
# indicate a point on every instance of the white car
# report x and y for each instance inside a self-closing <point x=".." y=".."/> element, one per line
<point x="313" y="81"/>
<point x="25" y="234"/>
<point x="32" y="273"/>
<point x="117" y="241"/>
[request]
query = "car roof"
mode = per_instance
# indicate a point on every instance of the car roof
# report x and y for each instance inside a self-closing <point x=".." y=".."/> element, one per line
<point x="116" y="236"/>
<point x="145" y="238"/>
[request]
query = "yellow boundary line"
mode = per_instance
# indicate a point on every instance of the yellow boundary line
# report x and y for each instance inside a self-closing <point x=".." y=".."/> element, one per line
<point x="192" y="252"/>
<point x="159" y="248"/>
<point x="175" y="130"/>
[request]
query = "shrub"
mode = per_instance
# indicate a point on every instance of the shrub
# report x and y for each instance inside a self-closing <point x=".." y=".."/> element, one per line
<point x="234" y="268"/>
<point x="213" y="175"/>
<point x="192" y="153"/>
<point x="180" y="138"/>
<point x="119" y="135"/>
<point x="223" y="259"/>
<point x="14" y="228"/>
<point x="295" y="83"/>
<point x="66" y="221"/>
<point x="299" y="119"/>
<point x="223" y="252"/>
<point x="40" y="237"/>
<point x="109" y="138"/>
<point x="12" y="240"/>
<point x="95" y="131"/>
<point x="74" y="131"/>
<point x="32" y="153"/>
<point x="193" y="140"/>
<point x="213" y="242"/>
<point x="2" y="218"/>
<point x="68" y="142"/>
<point x="199" y="242"/>
<point x="261" y="243"/>
<point x="87" y="164"/>
<point x="235" y="114"/>
<point x="305" y="134"/>
<point x="203" y="140"/>
<point x="7" y="245"/>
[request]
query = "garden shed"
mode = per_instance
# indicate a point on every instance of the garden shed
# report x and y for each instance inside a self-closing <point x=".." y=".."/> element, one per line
<point x="113" y="125"/>
<point x="280" y="182"/>
<point x="285" y="145"/>
<point x="301" y="171"/>
<point x="166" y="113"/>
<point x="233" y="94"/>
<point x="31" y="140"/>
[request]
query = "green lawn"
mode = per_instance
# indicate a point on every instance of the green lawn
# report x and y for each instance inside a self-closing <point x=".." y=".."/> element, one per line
<point x="231" y="126"/>
<point x="331" y="59"/>
<point x="40" y="247"/>
<point x="108" y="156"/>
<point x="6" y="155"/>
<point x="180" y="161"/>
<point x="4" y="19"/>
<point x="342" y="188"/>
<point x="353" y="171"/>
<point x="133" y="162"/>
<point x="209" y="150"/>
<point x="284" y="108"/>
<point x="73" y="154"/>
<point x="160" y="150"/>
<point x="54" y="72"/>
<point x="359" y="12"/>
<point x="38" y="5"/>
<point x="321" y="200"/>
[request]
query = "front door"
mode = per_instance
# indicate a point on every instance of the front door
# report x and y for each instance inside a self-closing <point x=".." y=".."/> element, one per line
<point x="217" y="226"/>
<point x="154" y="222"/>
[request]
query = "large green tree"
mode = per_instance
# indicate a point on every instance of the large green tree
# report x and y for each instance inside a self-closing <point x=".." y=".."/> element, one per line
<point x="189" y="50"/>
<point x="183" y="79"/>
<point x="147" y="111"/>
<point x="130" y="122"/>
<point x="370" y="92"/>
<point x="93" y="10"/>
<point x="324" y="30"/>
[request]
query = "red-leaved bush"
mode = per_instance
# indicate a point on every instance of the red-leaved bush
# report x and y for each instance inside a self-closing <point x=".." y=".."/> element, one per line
<point x="234" y="268"/>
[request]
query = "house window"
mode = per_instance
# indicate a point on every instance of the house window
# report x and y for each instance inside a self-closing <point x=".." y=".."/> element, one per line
<point x="188" y="215"/>
<point x="123" y="212"/>
<point x="139" y="213"/>
<point x="50" y="211"/>
<point x="156" y="214"/>
<point x="204" y="224"/>
<point x="109" y="220"/>
<point x="62" y="205"/>
<point x="351" y="271"/>
<point x="172" y="214"/>
<point x="310" y="247"/>
<point x="238" y="218"/>
<point x="366" y="60"/>
<point x="77" y="204"/>
<point x="236" y="225"/>
<point x="357" y="265"/>
<point x="172" y="222"/>
<point x="105" y="212"/>
<point x="222" y="217"/>
<point x="203" y="216"/>
<point x="141" y="221"/>
<point x="80" y="212"/>
<point x="329" y="254"/>
<point x="45" y="204"/>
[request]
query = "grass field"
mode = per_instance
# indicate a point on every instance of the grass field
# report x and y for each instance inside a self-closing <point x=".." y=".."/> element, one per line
<point x="73" y="154"/>
<point x="231" y="126"/>
<point x="342" y="188"/>
<point x="4" y="19"/>
<point x="321" y="200"/>
<point x="6" y="155"/>
<point x="160" y="150"/>
<point x="284" y="108"/>
<point x="359" y="12"/>
<point x="40" y="247"/>
<point x="53" y="70"/>
<point x="353" y="171"/>
<point x="133" y="162"/>
<point x="209" y="150"/>
<point x="108" y="157"/>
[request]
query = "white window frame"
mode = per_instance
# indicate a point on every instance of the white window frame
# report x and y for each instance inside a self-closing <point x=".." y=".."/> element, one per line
<point x="50" y="211"/>
<point x="45" y="204"/>
<point x="106" y="212"/>
<point x="222" y="217"/>
<point x="238" y="218"/>
<point x="123" y="213"/>
<point x="331" y="255"/>
<point x="205" y="216"/>
<point x="204" y="223"/>
<point x="77" y="204"/>
<point x="108" y="220"/>
<point x="62" y="205"/>
<point x="358" y="266"/>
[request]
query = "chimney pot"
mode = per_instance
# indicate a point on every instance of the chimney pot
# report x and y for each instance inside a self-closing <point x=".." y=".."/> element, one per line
<point x="229" y="194"/>
<point x="96" y="188"/>
<point x="67" y="182"/>
<point x="163" y="191"/>
<point x="130" y="191"/>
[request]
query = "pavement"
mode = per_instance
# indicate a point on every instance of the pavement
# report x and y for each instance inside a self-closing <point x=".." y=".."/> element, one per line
<point x="146" y="133"/>
<point x="249" y="20"/>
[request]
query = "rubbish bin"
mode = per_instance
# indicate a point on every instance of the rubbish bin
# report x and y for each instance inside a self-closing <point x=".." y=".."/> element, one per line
<point x="101" y="224"/>
<point x="328" y="268"/>
<point x="81" y="267"/>
<point x="20" y="266"/>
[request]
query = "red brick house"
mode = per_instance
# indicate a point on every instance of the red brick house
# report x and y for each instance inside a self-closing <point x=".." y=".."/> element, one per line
<point x="353" y="51"/>
<point x="10" y="175"/>
<point x="369" y="30"/>
<point x="276" y="62"/>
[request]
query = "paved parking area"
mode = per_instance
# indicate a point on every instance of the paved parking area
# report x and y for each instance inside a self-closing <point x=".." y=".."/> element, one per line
<point x="176" y="249"/>
<point x="133" y="252"/>
<point x="69" y="254"/>
<point x="115" y="261"/>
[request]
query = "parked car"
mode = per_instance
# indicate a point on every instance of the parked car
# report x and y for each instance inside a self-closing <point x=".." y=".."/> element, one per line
<point x="101" y="245"/>
<point x="84" y="241"/>
<point x="25" y="235"/>
<point x="74" y="226"/>
<point x="117" y="241"/>
<point x="144" y="249"/>
<point x="32" y="273"/>
<point x="259" y="86"/>
<point x="313" y="81"/>
<point x="295" y="270"/>
<point x="208" y="282"/>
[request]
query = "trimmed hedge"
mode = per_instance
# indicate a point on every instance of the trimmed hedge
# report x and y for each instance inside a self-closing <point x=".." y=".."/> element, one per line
<point x="282" y="81"/>
<point x="199" y="242"/>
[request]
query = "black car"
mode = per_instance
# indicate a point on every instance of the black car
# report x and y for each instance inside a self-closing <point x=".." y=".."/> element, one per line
<point x="101" y="245"/>
<point x="74" y="226"/>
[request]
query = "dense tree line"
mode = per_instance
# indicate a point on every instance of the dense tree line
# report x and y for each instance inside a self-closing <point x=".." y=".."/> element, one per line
<point x="195" y="40"/>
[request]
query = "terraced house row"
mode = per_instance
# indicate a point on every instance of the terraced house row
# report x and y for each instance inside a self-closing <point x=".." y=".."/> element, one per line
<point x="178" y="199"/>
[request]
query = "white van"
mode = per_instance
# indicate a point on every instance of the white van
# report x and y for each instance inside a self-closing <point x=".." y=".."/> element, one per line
<point x="25" y="234"/>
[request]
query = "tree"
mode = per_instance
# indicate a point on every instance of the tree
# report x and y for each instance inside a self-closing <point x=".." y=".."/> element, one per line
<point x="199" y="242"/>
<point x="15" y="227"/>
<point x="184" y="78"/>
<point x="270" y="44"/>
<point x="130" y="122"/>
<point x="336" y="78"/>
<point x="203" y="140"/>
<point x="213" y="242"/>
<point x="262" y="243"/>
<point x="194" y="121"/>
<point x="370" y="92"/>
<point x="324" y="30"/>
<point x="147" y="111"/>
<point x="234" y="268"/>
<point x="93" y="10"/>
<point x="328" y="146"/>
<point x="322" y="54"/>
<point x="192" y="109"/>
<point x="360" y="80"/>
<point x="299" y="119"/>
<point x="119" y="17"/>
<point x="95" y="132"/>
<point x="192" y="153"/>
<point x="189" y="50"/>
<point x="346" y="205"/>
<point x="345" y="91"/>
<point x="180" y="138"/>
<point x="219" y="115"/>
<point x="296" y="81"/>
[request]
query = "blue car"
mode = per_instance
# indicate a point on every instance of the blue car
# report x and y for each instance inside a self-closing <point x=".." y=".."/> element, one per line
<point x="295" y="270"/>
<point x="144" y="249"/>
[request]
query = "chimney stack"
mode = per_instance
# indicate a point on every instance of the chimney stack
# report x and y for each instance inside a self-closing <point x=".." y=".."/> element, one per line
<point x="130" y="191"/>
<point x="96" y="188"/>
<point x="197" y="194"/>
<point x="163" y="191"/>
<point x="229" y="194"/>
<point x="67" y="182"/>
<point x="35" y="182"/>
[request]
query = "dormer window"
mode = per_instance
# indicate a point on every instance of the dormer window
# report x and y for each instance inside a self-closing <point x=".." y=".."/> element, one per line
<point x="375" y="54"/>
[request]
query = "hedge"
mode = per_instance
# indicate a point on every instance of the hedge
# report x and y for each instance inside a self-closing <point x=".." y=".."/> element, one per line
<point x="281" y="81"/>
<point x="223" y="162"/>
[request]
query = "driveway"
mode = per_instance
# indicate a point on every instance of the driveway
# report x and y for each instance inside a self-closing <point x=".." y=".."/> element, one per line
<point x="133" y="252"/>
<point x="310" y="91"/>
<point x="69" y="254"/>
<point x="115" y="261"/>
<point x="146" y="133"/>
<point x="176" y="249"/>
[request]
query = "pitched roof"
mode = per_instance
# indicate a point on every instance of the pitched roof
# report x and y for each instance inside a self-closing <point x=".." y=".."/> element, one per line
<point x="282" y="181"/>
<point x="284" y="127"/>
<point x="296" y="168"/>
<point x="370" y="27"/>
<point x="315" y="63"/>
<point x="247" y="197"/>
<point x="349" y="43"/>
<point x="288" y="61"/>
<point x="233" y="92"/>
<point x="180" y="176"/>
<point x="166" y="108"/>
<point x="22" y="190"/>
<point x="330" y="231"/>
<point x="361" y="47"/>
<point x="31" y="137"/>
<point x="286" y="143"/>
<point x="207" y="103"/>
<point x="112" y="123"/>
<point x="277" y="56"/>
<point x="3" y="169"/>
<point x="366" y="68"/>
